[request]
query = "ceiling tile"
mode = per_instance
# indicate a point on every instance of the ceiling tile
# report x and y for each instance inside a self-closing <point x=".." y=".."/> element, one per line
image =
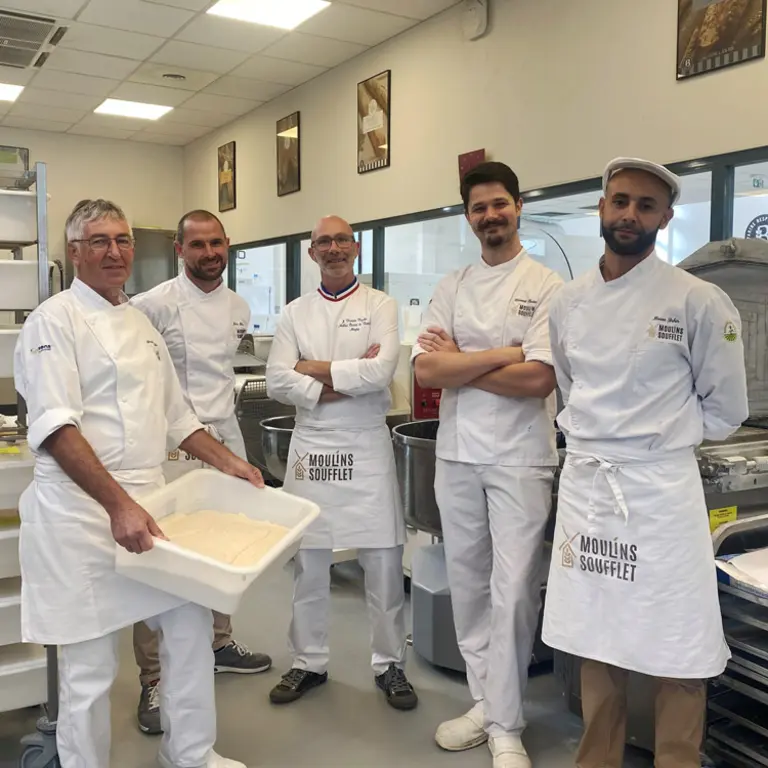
<point x="102" y="131"/>
<point x="150" y="94"/>
<point x="278" y="70"/>
<point x="185" y="131"/>
<point x="190" y="5"/>
<point x="196" y="117"/>
<point x="415" y="9"/>
<point x="160" y="138"/>
<point x="113" y="122"/>
<point x="45" y="113"/>
<point x="208" y="102"/>
<point x="31" y="124"/>
<point x="81" y="63"/>
<point x="58" y="9"/>
<point x="196" y="56"/>
<point x="58" y="99"/>
<point x="246" y="88"/>
<point x="152" y="74"/>
<point x="70" y="83"/>
<point x="309" y="49"/>
<point x="113" y="42"/>
<point x="14" y="76"/>
<point x="136" y="16"/>
<point x="230" y="34"/>
<point x="356" y="25"/>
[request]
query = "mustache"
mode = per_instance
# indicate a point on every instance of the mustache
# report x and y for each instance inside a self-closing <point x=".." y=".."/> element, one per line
<point x="491" y="223"/>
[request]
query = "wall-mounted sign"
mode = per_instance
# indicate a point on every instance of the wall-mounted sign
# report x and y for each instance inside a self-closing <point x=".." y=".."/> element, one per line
<point x="288" y="155"/>
<point x="227" y="183"/>
<point x="758" y="228"/>
<point x="714" y="34"/>
<point x="373" y="122"/>
<point x="468" y="161"/>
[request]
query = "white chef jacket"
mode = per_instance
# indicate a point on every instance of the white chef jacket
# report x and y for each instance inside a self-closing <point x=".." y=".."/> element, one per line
<point x="202" y="332"/>
<point x="341" y="453"/>
<point x="651" y="361"/>
<point x="104" y="369"/>
<point x="484" y="307"/>
<point x="340" y="330"/>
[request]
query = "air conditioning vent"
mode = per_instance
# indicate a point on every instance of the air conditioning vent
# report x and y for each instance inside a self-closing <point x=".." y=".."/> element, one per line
<point x="22" y="38"/>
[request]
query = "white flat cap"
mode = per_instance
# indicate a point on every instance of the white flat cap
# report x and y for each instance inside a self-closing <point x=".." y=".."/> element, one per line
<point x="635" y="163"/>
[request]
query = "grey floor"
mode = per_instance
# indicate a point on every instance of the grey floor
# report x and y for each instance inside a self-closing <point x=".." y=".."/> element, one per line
<point x="344" y="724"/>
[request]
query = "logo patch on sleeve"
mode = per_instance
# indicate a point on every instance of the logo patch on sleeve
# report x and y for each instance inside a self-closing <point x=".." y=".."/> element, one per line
<point x="730" y="333"/>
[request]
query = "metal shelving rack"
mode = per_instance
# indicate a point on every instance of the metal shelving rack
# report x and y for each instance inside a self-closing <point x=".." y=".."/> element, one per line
<point x="23" y="285"/>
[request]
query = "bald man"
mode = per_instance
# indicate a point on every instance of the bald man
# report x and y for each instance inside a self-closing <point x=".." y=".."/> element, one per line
<point x="333" y="357"/>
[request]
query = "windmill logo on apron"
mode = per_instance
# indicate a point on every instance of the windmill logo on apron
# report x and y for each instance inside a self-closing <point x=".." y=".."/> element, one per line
<point x="566" y="550"/>
<point x="298" y="467"/>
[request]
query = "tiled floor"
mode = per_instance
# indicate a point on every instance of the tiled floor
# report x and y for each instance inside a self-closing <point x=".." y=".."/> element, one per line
<point x="345" y="724"/>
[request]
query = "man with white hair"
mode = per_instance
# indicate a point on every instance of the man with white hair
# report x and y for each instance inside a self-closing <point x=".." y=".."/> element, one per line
<point x="103" y="399"/>
<point x="650" y="362"/>
<point x="334" y="356"/>
<point x="202" y="322"/>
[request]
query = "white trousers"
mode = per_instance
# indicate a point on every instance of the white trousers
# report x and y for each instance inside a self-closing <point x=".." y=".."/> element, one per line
<point x="493" y="521"/>
<point x="187" y="702"/>
<point x="384" y="594"/>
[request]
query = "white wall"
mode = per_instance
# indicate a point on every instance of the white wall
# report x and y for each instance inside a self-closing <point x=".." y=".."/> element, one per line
<point x="556" y="89"/>
<point x="144" y="179"/>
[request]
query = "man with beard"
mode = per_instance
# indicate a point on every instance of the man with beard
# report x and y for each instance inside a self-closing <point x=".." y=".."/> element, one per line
<point x="650" y="362"/>
<point x="202" y="322"/>
<point x="486" y="345"/>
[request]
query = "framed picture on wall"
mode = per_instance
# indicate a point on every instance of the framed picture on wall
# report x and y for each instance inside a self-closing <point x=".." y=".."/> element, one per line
<point x="288" y="155"/>
<point x="714" y="34"/>
<point x="227" y="181"/>
<point x="373" y="120"/>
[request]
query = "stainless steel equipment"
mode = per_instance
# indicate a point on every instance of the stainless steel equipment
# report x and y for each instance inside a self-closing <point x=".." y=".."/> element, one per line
<point x="734" y="474"/>
<point x="276" y="433"/>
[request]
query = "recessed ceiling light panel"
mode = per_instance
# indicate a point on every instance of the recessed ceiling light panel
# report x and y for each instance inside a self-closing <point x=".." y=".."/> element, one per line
<point x="10" y="92"/>
<point x="132" y="109"/>
<point x="284" y="14"/>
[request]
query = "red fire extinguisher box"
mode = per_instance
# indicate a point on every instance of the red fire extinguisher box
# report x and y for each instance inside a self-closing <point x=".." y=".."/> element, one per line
<point x="426" y="402"/>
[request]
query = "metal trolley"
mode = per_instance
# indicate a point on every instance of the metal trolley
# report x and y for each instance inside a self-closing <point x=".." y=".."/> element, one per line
<point x="39" y="749"/>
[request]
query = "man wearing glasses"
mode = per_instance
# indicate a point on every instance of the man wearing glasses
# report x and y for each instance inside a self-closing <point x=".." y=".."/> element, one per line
<point x="333" y="357"/>
<point x="202" y="322"/>
<point x="102" y="399"/>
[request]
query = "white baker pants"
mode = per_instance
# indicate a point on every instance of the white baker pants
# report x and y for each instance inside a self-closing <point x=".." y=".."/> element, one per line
<point x="493" y="521"/>
<point x="188" y="707"/>
<point x="384" y="594"/>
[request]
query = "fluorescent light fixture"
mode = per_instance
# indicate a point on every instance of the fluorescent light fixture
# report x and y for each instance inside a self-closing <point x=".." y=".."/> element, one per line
<point x="132" y="109"/>
<point x="10" y="92"/>
<point x="291" y="133"/>
<point x="284" y="14"/>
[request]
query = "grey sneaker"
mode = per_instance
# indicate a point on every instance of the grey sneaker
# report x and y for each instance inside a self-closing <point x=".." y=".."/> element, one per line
<point x="235" y="657"/>
<point x="149" y="709"/>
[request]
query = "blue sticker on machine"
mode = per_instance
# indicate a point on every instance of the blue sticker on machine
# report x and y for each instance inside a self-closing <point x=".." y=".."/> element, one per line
<point x="758" y="228"/>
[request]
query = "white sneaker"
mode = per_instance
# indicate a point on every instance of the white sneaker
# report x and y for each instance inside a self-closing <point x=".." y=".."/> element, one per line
<point x="508" y="752"/>
<point x="465" y="732"/>
<point x="214" y="761"/>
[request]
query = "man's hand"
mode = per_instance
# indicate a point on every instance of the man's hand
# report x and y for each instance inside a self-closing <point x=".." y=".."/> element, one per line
<point x="133" y="528"/>
<point x="302" y="367"/>
<point x="372" y="353"/>
<point x="437" y="340"/>
<point x="330" y="395"/>
<point x="237" y="467"/>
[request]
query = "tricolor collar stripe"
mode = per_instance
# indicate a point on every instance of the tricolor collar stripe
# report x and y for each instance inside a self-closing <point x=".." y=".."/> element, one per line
<point x="341" y="295"/>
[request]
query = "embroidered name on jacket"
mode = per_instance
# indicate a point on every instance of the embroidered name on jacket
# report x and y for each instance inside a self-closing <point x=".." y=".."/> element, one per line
<point x="355" y="324"/>
<point x="525" y="307"/>
<point x="324" y="467"/>
<point x="666" y="329"/>
<point x="609" y="558"/>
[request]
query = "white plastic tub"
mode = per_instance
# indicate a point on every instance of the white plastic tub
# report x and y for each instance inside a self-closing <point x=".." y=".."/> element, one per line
<point x="10" y="611"/>
<point x="201" y="579"/>
<point x="18" y="285"/>
<point x="8" y="337"/>
<point x="18" y="217"/>
<point x="23" y="677"/>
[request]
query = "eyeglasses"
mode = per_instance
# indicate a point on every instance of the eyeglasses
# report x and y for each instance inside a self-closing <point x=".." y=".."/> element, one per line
<point x="344" y="242"/>
<point x="100" y="243"/>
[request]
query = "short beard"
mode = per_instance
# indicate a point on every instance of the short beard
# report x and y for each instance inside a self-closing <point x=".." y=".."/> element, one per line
<point x="207" y="277"/>
<point x="645" y="241"/>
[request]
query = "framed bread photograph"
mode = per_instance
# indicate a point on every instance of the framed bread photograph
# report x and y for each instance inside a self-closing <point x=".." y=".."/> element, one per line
<point x="373" y="122"/>
<point x="289" y="154"/>
<point x="226" y="177"/>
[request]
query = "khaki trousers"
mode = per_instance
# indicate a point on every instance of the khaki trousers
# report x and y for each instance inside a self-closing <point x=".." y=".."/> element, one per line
<point x="680" y="718"/>
<point x="146" y="650"/>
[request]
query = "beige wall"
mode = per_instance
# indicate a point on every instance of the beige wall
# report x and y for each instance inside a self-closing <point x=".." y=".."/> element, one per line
<point x="145" y="179"/>
<point x="556" y="89"/>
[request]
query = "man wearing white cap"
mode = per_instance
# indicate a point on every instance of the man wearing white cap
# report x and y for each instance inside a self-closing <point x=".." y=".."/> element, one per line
<point x="650" y="362"/>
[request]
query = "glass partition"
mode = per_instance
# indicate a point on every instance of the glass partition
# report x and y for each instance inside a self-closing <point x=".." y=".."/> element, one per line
<point x="750" y="206"/>
<point x="260" y="280"/>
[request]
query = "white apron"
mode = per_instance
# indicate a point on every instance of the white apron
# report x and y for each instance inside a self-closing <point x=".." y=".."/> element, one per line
<point x="70" y="591"/>
<point x="632" y="581"/>
<point x="351" y="476"/>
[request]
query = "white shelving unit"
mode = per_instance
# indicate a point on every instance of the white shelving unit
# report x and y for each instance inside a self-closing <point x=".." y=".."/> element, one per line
<point x="24" y="283"/>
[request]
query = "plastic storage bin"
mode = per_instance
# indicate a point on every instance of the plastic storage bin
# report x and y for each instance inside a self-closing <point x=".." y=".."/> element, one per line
<point x="8" y="337"/>
<point x="23" y="677"/>
<point x="18" y="217"/>
<point x="18" y="285"/>
<point x="10" y="611"/>
<point x="201" y="579"/>
<point x="16" y="472"/>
